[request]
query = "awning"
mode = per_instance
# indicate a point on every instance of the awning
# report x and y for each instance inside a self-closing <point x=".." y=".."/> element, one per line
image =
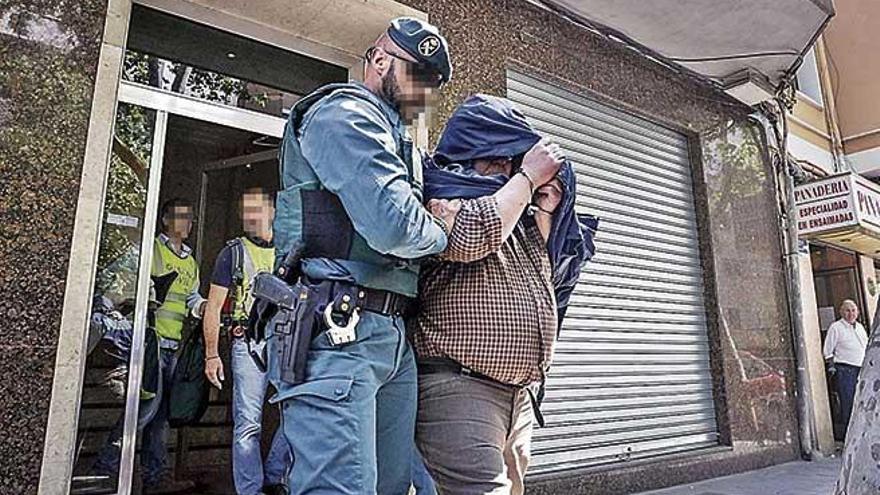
<point x="843" y="210"/>
<point x="719" y="39"/>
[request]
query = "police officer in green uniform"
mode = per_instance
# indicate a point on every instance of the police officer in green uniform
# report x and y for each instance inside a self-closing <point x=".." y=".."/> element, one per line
<point x="352" y="196"/>
<point x="236" y="266"/>
<point x="170" y="255"/>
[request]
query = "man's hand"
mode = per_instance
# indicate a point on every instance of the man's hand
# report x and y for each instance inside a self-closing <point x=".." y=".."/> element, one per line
<point x="445" y="210"/>
<point x="548" y="196"/>
<point x="214" y="372"/>
<point x="542" y="162"/>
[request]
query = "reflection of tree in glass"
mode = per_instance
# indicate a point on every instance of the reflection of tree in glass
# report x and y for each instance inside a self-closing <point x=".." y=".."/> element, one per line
<point x="733" y="162"/>
<point x="126" y="184"/>
<point x="184" y="79"/>
<point x="127" y="181"/>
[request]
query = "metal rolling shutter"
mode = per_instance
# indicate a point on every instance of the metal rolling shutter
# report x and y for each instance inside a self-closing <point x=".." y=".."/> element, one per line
<point x="631" y="376"/>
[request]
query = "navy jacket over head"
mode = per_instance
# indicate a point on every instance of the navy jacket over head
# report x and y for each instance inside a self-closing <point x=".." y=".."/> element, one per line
<point x="491" y="127"/>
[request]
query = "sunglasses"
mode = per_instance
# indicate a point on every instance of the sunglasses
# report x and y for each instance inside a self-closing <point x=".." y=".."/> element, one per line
<point x="420" y="72"/>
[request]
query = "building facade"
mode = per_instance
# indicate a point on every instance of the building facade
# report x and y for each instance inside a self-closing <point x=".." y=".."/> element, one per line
<point x="835" y="137"/>
<point x="676" y="361"/>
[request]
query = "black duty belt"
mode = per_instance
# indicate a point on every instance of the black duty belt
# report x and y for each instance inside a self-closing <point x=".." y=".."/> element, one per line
<point x="378" y="301"/>
<point x="384" y="302"/>
<point x="443" y="365"/>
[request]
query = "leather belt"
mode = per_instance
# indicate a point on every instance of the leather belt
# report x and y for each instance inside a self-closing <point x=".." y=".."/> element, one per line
<point x="848" y="365"/>
<point x="444" y="365"/>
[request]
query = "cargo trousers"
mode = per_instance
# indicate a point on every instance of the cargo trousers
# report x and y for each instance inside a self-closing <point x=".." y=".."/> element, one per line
<point x="350" y="424"/>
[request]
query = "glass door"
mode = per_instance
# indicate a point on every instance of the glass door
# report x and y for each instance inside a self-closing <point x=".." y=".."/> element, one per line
<point x="165" y="147"/>
<point x="108" y="414"/>
<point x="201" y="112"/>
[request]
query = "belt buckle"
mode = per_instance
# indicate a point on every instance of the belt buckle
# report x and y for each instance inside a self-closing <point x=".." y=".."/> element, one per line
<point x="341" y="334"/>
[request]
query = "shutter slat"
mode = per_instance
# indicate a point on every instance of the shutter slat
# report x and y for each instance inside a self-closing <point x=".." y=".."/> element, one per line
<point x="631" y="377"/>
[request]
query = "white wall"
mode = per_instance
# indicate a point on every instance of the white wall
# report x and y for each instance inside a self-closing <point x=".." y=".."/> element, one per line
<point x="815" y="363"/>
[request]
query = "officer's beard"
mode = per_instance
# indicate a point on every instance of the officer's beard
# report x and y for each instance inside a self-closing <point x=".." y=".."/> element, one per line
<point x="391" y="89"/>
<point x="408" y="106"/>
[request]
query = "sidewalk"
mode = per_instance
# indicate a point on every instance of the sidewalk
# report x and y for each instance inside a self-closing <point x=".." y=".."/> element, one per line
<point x="794" y="478"/>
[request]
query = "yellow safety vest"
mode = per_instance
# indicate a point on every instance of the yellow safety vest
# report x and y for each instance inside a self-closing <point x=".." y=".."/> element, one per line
<point x="170" y="315"/>
<point x="255" y="260"/>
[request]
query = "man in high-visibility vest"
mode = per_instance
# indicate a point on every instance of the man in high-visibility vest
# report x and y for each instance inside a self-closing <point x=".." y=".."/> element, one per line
<point x="234" y="271"/>
<point x="170" y="254"/>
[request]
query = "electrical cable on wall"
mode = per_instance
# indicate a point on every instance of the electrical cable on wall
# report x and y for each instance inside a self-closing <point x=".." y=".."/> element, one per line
<point x="773" y="117"/>
<point x="739" y="56"/>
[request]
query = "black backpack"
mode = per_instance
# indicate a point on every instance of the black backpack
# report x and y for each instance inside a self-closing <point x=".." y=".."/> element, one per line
<point x="188" y="398"/>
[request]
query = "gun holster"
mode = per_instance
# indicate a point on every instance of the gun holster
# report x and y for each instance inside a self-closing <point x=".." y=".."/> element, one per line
<point x="294" y="323"/>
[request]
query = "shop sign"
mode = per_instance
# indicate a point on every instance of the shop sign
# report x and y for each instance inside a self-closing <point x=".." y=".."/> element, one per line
<point x="836" y="204"/>
<point x="825" y="205"/>
<point x="868" y="204"/>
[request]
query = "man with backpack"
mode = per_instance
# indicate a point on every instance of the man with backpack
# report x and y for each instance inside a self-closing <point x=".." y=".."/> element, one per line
<point x="236" y="266"/>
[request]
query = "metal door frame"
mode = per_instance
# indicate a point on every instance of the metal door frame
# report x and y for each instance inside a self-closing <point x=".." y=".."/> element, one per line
<point x="195" y="108"/>
<point x="136" y="359"/>
<point x="857" y="274"/>
<point x="165" y="104"/>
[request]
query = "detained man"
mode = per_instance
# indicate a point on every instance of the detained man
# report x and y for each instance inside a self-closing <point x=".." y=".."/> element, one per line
<point x="489" y="311"/>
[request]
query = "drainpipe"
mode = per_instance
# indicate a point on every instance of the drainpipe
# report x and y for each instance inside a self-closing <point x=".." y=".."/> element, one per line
<point x="788" y="231"/>
<point x="804" y="389"/>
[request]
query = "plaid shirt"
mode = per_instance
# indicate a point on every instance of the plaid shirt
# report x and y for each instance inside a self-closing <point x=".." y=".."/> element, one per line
<point x="489" y="305"/>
